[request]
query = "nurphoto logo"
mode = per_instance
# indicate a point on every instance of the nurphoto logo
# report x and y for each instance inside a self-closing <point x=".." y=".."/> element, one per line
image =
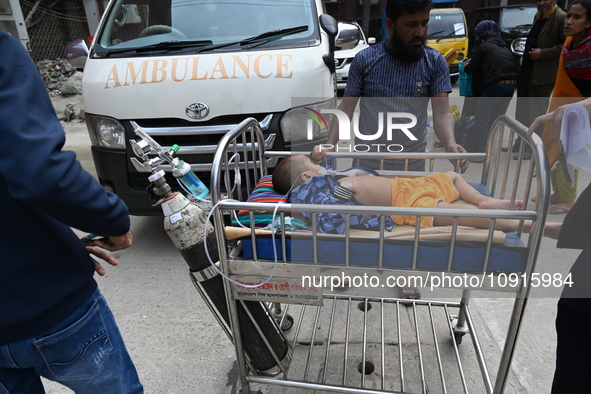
<point x="345" y="126"/>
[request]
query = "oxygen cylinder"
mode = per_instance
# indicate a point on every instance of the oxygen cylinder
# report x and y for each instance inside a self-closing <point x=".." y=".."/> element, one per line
<point x="184" y="223"/>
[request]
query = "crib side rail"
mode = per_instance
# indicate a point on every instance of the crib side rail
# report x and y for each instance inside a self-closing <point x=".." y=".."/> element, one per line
<point x="285" y="209"/>
<point x="502" y="176"/>
<point x="240" y="151"/>
<point x="511" y="179"/>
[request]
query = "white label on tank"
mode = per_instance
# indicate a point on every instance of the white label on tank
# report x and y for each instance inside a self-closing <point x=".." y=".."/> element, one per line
<point x="176" y="217"/>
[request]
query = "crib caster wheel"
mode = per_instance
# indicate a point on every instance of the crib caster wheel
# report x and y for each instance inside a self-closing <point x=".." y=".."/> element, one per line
<point x="287" y="323"/>
<point x="458" y="331"/>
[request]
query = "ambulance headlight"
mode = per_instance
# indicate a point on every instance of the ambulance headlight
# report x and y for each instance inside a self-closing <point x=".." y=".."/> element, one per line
<point x="307" y="122"/>
<point x="106" y="132"/>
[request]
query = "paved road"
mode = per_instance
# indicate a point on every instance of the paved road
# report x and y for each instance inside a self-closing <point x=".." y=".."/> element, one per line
<point x="179" y="348"/>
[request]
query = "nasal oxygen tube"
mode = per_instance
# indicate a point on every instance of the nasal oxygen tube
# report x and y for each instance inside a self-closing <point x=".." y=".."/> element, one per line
<point x="185" y="223"/>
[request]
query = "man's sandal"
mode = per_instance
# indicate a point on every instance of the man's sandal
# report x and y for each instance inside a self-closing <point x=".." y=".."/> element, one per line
<point x="555" y="209"/>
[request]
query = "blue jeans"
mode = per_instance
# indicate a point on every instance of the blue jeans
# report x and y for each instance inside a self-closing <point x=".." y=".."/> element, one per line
<point x="85" y="353"/>
<point x="494" y="102"/>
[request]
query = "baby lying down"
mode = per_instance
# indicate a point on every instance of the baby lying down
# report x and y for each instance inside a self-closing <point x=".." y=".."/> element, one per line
<point x="310" y="183"/>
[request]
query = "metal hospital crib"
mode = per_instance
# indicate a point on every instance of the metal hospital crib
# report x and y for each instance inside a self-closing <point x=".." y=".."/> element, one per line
<point x="368" y="339"/>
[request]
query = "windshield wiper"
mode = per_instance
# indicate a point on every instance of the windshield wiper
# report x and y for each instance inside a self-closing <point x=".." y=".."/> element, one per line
<point x="450" y="34"/>
<point x="432" y="34"/>
<point x="522" y="26"/>
<point x="267" y="36"/>
<point x="279" y="33"/>
<point x="168" y="45"/>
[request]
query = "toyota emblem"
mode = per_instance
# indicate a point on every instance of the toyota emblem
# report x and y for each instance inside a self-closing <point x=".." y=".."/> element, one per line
<point x="197" y="110"/>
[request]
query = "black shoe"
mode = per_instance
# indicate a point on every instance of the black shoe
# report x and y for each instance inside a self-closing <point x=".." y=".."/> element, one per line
<point x="526" y="155"/>
<point x="514" y="149"/>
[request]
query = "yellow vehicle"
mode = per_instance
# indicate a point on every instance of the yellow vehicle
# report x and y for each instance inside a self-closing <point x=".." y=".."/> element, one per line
<point x="448" y="30"/>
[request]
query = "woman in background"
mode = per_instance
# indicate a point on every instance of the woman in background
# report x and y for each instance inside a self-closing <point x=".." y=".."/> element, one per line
<point x="573" y="82"/>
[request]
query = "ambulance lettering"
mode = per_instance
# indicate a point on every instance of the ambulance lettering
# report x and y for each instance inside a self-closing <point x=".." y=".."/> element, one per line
<point x="199" y="68"/>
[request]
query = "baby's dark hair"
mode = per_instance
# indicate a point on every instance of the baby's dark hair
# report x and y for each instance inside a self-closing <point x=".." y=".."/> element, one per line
<point x="285" y="174"/>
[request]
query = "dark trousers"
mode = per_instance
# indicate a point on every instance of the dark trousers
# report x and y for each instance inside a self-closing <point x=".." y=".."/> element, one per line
<point x="494" y="102"/>
<point x="532" y="100"/>
<point x="573" y="328"/>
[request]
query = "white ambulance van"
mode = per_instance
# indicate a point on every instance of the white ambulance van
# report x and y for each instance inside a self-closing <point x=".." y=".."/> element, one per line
<point x="188" y="71"/>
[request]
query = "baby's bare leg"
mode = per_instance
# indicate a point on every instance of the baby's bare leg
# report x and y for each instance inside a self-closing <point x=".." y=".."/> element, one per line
<point x="471" y="195"/>
<point x="500" y="224"/>
<point x="551" y="230"/>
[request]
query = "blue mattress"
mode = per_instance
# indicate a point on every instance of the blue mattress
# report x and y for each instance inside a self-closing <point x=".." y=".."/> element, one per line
<point x="509" y="256"/>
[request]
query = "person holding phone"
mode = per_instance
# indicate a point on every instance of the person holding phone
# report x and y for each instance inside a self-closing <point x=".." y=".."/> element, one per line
<point x="54" y="322"/>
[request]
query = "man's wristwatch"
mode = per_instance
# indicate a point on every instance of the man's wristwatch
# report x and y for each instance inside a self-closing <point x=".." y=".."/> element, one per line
<point x="313" y="160"/>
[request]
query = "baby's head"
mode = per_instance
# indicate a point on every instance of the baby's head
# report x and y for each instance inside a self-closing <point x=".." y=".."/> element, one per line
<point x="292" y="172"/>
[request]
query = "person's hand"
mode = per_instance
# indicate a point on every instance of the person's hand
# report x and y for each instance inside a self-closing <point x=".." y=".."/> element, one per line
<point x="456" y="148"/>
<point x="466" y="61"/>
<point x="555" y="117"/>
<point x="318" y="152"/>
<point x="102" y="255"/>
<point x="113" y="243"/>
<point x="535" y="54"/>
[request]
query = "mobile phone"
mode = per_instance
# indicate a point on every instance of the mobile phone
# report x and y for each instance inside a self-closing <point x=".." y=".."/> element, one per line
<point x="89" y="237"/>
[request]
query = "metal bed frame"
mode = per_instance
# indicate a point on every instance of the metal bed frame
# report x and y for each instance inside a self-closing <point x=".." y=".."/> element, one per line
<point x="393" y="353"/>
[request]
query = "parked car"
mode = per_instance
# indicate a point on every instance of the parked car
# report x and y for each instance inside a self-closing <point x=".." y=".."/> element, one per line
<point x="350" y="40"/>
<point x="447" y="32"/>
<point x="514" y="22"/>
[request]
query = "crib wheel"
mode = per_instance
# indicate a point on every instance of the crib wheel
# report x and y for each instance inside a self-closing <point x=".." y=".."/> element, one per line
<point x="458" y="337"/>
<point x="287" y="323"/>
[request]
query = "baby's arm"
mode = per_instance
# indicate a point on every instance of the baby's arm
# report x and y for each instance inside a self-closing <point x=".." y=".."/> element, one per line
<point x="354" y="186"/>
<point x="347" y="189"/>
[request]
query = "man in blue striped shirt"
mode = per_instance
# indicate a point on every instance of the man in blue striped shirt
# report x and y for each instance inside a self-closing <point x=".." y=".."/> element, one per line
<point x="399" y="76"/>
